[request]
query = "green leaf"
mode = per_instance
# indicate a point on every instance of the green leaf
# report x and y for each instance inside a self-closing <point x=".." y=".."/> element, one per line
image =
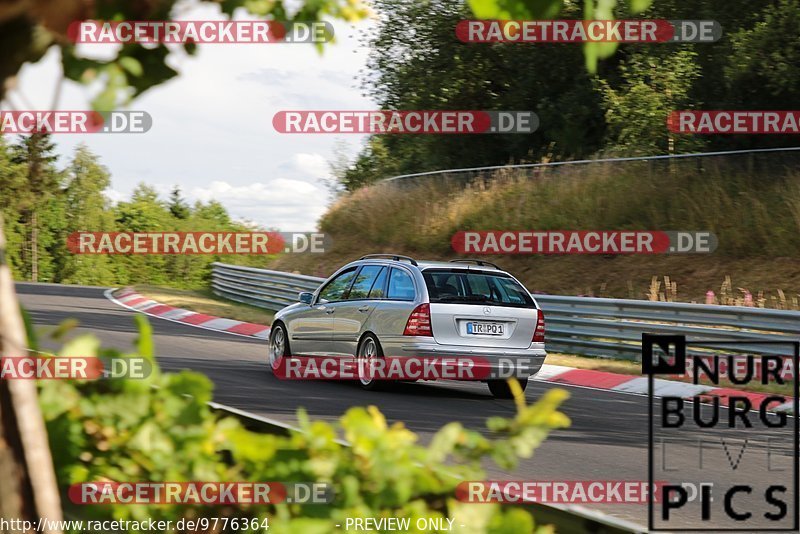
<point x="637" y="6"/>
<point x="30" y="332"/>
<point x="444" y="441"/>
<point x="106" y="100"/>
<point x="476" y="515"/>
<point x="64" y="328"/>
<point x="512" y="520"/>
<point x="152" y="62"/>
<point x="144" y="343"/>
<point x="544" y="9"/>
<point x="77" y="68"/>
<point x="488" y="9"/>
<point x="196" y="385"/>
<point x="85" y="345"/>
<point x="593" y="52"/>
<point x="131" y="65"/>
<point x="515" y="9"/>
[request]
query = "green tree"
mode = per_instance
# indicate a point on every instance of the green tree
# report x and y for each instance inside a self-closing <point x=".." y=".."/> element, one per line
<point x="372" y="163"/>
<point x="637" y="111"/>
<point x="87" y="209"/>
<point x="37" y="199"/>
<point x="551" y="9"/>
<point x="416" y="62"/>
<point x="144" y="212"/>
<point x="12" y="182"/>
<point x="762" y="70"/>
<point x="212" y="215"/>
<point x="36" y="153"/>
<point x="177" y="204"/>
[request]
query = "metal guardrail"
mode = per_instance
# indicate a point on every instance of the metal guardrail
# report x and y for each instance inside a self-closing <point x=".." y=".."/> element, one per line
<point x="575" y="325"/>
<point x="522" y="166"/>
<point x="272" y="290"/>
<point x="565" y="517"/>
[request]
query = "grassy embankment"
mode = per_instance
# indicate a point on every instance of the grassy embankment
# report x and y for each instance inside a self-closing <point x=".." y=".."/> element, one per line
<point x="755" y="214"/>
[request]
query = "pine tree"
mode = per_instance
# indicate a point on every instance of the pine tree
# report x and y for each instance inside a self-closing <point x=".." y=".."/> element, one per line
<point x="177" y="205"/>
<point x="36" y="153"/>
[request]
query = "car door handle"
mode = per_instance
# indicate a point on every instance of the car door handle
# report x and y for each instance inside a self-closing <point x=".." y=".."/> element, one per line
<point x="330" y="310"/>
<point x="364" y="309"/>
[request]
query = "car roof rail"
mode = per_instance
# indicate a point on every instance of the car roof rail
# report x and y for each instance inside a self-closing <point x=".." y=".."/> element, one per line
<point x="482" y="263"/>
<point x="395" y="257"/>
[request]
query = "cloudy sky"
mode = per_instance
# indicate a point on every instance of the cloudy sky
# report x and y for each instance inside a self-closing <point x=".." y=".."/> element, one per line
<point x="212" y="128"/>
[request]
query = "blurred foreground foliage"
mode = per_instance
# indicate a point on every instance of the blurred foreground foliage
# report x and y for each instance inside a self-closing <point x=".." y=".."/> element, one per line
<point x="162" y="429"/>
<point x="29" y="28"/>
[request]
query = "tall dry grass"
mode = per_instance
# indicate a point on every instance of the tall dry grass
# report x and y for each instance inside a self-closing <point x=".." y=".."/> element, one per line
<point x="752" y="214"/>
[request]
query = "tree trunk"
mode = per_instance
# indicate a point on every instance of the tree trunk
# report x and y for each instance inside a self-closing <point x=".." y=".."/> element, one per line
<point x="34" y="246"/>
<point x="28" y="488"/>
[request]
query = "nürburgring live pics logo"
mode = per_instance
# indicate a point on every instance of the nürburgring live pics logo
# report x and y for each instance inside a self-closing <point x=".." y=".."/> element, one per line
<point x="745" y="442"/>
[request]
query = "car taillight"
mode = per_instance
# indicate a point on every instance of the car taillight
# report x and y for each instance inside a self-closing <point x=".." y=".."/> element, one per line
<point x="538" y="333"/>
<point x="419" y="322"/>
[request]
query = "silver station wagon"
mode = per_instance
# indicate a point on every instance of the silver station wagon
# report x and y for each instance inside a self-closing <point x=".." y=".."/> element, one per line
<point x="387" y="305"/>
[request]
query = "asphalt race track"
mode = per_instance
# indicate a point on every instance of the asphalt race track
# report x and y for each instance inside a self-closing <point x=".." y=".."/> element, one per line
<point x="607" y="441"/>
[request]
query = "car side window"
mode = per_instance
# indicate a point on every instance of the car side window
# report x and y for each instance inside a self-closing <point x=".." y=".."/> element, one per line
<point x="364" y="280"/>
<point x="378" y="290"/>
<point x="401" y="285"/>
<point x="337" y="288"/>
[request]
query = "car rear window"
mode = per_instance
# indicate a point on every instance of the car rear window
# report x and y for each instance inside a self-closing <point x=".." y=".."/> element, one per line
<point x="460" y="286"/>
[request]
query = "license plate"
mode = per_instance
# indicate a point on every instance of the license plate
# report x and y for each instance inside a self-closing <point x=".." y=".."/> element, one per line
<point x="486" y="329"/>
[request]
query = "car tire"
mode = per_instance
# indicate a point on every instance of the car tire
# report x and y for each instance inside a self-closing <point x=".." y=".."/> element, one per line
<point x="368" y="348"/>
<point x="501" y="389"/>
<point x="278" y="346"/>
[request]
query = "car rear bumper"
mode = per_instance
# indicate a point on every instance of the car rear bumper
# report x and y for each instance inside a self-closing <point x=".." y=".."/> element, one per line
<point x="498" y="362"/>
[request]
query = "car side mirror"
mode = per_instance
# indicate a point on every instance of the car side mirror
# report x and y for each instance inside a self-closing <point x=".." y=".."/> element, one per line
<point x="306" y="298"/>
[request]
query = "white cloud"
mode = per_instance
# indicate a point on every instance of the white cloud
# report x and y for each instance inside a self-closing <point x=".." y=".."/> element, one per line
<point x="285" y="204"/>
<point x="113" y="195"/>
<point x="312" y="165"/>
